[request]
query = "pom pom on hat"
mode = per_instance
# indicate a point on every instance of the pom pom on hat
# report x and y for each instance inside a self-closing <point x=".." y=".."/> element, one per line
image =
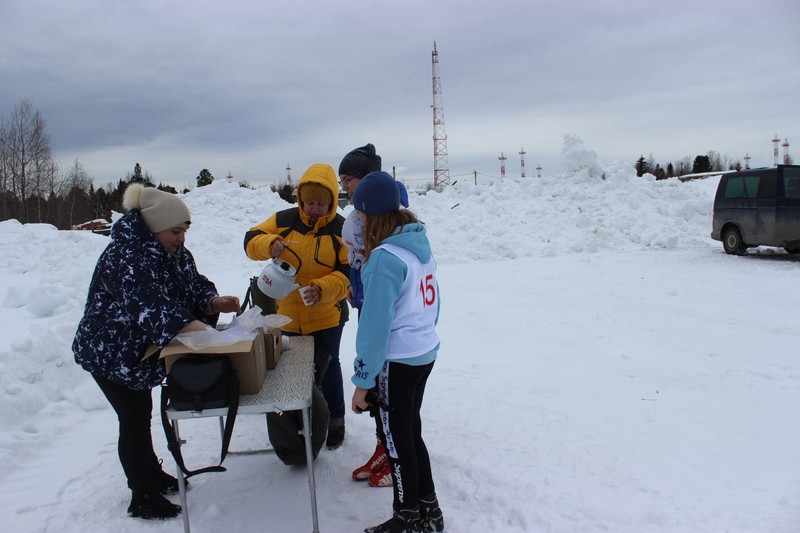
<point x="376" y="194"/>
<point x="160" y="210"/>
<point x="360" y="162"/>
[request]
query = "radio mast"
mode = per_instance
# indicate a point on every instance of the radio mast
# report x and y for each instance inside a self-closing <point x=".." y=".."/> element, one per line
<point x="785" y="151"/>
<point x="441" y="173"/>
<point x="775" y="141"/>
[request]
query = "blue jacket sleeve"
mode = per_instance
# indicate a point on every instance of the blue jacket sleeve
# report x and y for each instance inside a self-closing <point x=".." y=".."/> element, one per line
<point x="357" y="286"/>
<point x="383" y="275"/>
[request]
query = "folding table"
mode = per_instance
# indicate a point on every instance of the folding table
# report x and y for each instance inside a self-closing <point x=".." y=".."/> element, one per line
<point x="288" y="387"/>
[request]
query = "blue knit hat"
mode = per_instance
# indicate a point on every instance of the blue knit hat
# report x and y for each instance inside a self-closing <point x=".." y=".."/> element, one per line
<point x="403" y="192"/>
<point x="376" y="194"/>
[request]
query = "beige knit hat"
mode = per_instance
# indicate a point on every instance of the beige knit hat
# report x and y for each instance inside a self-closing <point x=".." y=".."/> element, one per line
<point x="160" y="210"/>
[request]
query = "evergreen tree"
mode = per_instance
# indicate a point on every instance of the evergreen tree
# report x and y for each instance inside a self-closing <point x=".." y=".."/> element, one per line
<point x="701" y="164"/>
<point x="137" y="174"/>
<point x="641" y="167"/>
<point x="204" y="178"/>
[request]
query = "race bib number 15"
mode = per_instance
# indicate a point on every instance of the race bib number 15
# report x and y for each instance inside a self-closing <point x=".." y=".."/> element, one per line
<point x="427" y="288"/>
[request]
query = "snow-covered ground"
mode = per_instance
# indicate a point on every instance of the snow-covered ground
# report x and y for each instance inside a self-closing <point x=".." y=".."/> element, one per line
<point x="605" y="366"/>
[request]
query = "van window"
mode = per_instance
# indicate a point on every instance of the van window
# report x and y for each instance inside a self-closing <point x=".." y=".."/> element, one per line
<point x="767" y="188"/>
<point x="742" y="187"/>
<point x="791" y="182"/>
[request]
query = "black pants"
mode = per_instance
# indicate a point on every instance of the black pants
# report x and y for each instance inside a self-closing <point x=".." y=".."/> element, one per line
<point x="402" y="387"/>
<point x="135" y="445"/>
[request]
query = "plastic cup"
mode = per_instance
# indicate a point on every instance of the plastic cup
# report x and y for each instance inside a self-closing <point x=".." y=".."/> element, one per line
<point x="305" y="293"/>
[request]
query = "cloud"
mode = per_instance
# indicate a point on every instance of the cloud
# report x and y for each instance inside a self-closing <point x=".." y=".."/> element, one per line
<point x="248" y="87"/>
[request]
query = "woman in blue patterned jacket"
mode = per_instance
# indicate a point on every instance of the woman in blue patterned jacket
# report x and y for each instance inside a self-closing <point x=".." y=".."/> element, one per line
<point x="145" y="290"/>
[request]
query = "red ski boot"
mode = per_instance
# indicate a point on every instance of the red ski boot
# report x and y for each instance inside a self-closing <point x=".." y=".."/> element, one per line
<point x="375" y="464"/>
<point x="382" y="478"/>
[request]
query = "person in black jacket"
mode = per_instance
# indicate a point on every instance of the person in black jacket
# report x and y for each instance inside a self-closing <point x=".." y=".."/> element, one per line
<point x="145" y="290"/>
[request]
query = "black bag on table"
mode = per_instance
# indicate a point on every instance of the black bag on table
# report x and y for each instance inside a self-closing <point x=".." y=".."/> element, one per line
<point x="256" y="297"/>
<point x="195" y="383"/>
<point x="285" y="429"/>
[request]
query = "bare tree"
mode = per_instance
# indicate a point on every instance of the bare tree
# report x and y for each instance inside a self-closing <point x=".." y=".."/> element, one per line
<point x="6" y="196"/>
<point x="27" y="157"/>
<point x="45" y="176"/>
<point x="76" y="189"/>
<point x="52" y="186"/>
<point x="715" y="161"/>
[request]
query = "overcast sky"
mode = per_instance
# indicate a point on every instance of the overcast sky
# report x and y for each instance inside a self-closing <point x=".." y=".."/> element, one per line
<point x="248" y="87"/>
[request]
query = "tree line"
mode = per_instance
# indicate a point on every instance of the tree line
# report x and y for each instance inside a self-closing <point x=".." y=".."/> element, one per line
<point x="34" y="188"/>
<point x="710" y="162"/>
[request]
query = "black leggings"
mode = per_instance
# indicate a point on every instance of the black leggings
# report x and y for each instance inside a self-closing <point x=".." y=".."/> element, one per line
<point x="135" y="445"/>
<point x="400" y="430"/>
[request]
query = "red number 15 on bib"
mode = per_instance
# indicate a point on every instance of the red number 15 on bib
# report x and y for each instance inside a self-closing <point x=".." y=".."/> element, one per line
<point x="427" y="288"/>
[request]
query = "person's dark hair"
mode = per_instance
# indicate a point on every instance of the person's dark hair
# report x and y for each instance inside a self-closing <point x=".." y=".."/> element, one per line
<point x="378" y="227"/>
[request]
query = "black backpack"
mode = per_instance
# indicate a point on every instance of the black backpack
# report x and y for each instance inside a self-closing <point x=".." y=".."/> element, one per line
<point x="286" y="429"/>
<point x="195" y="383"/>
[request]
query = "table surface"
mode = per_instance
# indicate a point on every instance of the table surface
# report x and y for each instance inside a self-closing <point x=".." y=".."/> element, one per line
<point x="286" y="387"/>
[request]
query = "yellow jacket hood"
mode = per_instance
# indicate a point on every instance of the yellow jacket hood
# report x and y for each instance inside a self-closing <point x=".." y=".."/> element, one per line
<point x="324" y="175"/>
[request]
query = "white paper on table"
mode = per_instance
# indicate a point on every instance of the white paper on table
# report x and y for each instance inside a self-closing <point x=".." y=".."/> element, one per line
<point x="252" y="319"/>
<point x="240" y="328"/>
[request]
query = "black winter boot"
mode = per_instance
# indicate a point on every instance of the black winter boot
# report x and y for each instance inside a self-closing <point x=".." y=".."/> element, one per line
<point x="168" y="484"/>
<point x="403" y="521"/>
<point x="335" y="437"/>
<point x="150" y="504"/>
<point x="432" y="518"/>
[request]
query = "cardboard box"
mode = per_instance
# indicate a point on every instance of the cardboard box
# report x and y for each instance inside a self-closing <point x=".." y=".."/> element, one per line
<point x="273" y="346"/>
<point x="248" y="358"/>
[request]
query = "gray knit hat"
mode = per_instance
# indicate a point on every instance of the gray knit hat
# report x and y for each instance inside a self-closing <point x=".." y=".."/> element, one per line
<point x="160" y="210"/>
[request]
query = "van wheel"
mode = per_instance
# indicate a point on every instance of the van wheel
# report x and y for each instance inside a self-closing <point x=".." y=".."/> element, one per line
<point x="732" y="241"/>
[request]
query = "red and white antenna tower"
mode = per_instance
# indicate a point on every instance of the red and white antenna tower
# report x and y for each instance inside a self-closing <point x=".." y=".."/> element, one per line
<point x="502" y="159"/>
<point x="441" y="174"/>
<point x="538" y="171"/>
<point x="785" y="151"/>
<point x="522" y="162"/>
<point x="746" y="161"/>
<point x="775" y="141"/>
<point x="288" y="174"/>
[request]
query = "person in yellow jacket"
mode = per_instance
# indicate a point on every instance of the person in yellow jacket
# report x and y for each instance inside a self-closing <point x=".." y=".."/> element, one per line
<point x="309" y="237"/>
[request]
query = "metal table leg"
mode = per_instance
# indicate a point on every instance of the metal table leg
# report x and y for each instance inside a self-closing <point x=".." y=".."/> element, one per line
<point x="312" y="484"/>
<point x="181" y="483"/>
